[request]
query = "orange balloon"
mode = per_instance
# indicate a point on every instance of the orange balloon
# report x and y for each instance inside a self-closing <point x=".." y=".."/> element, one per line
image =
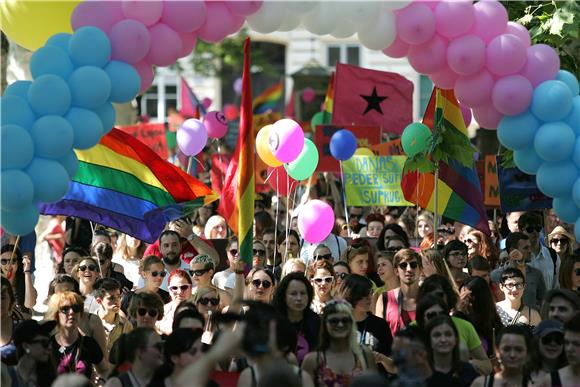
<point x="263" y="149"/>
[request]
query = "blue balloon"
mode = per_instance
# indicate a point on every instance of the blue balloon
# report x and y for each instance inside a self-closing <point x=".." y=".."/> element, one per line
<point x="576" y="152"/>
<point x="51" y="60"/>
<point x="60" y="40"/>
<point x="527" y="160"/>
<point x="49" y="94"/>
<point x="70" y="162"/>
<point x="554" y="141"/>
<point x="107" y="115"/>
<point x="557" y="179"/>
<point x="125" y="81"/>
<point x="343" y="145"/>
<point x="20" y="222"/>
<point x="577" y="229"/>
<point x="576" y="193"/>
<point x="52" y="136"/>
<point x="17" y="147"/>
<point x="570" y="80"/>
<point x="90" y="87"/>
<point x="87" y="127"/>
<point x="16" y="111"/>
<point x="50" y="180"/>
<point x="566" y="209"/>
<point x="552" y="101"/>
<point x="573" y="119"/>
<point x="18" y="89"/>
<point x="89" y="46"/>
<point x="517" y="132"/>
<point x="17" y="190"/>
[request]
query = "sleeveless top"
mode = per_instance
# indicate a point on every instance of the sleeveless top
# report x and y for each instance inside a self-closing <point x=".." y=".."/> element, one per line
<point x="325" y="376"/>
<point x="393" y="311"/>
<point x="488" y="381"/>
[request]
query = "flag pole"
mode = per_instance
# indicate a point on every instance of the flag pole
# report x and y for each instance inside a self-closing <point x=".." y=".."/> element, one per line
<point x="344" y="199"/>
<point x="436" y="123"/>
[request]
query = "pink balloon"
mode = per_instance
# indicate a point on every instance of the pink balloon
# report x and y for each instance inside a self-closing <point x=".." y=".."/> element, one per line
<point x="444" y="79"/>
<point x="191" y="137"/>
<point x="308" y="94"/>
<point x="231" y="111"/>
<point x="430" y="57"/>
<point x="188" y="42"/>
<point x="165" y="45"/>
<point x="147" y="12"/>
<point x="219" y="23"/>
<point x="466" y="113"/>
<point x="315" y="221"/>
<point x="130" y="41"/>
<point x="280" y="181"/>
<point x="415" y="24"/>
<point x="466" y="55"/>
<point x="490" y="20"/>
<point x="238" y="86"/>
<point x="184" y="16"/>
<point x="286" y="140"/>
<point x="244" y="8"/>
<point x="475" y="90"/>
<point x="146" y="73"/>
<point x="100" y="14"/>
<point x="431" y="4"/>
<point x="543" y="64"/>
<point x="398" y="49"/>
<point x="512" y="95"/>
<point x="506" y="54"/>
<point x="454" y="18"/>
<point x="520" y="31"/>
<point x="487" y="116"/>
<point x="216" y="124"/>
<point x="206" y="102"/>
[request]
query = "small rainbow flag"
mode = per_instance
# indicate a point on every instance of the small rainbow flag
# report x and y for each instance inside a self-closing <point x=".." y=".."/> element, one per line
<point x="329" y="99"/>
<point x="123" y="184"/>
<point x="269" y="99"/>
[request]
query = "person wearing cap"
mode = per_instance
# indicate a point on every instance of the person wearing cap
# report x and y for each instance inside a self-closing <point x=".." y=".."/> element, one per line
<point x="560" y="304"/>
<point x="561" y="241"/>
<point x="548" y="348"/>
<point x="33" y="347"/>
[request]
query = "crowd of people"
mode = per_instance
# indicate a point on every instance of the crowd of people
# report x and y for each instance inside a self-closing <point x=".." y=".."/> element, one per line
<point x="390" y="297"/>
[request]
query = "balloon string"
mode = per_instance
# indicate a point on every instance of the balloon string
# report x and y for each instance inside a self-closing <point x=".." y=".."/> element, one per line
<point x="287" y="225"/>
<point x="217" y="141"/>
<point x="344" y="199"/>
<point x="276" y="224"/>
<point x="271" y="173"/>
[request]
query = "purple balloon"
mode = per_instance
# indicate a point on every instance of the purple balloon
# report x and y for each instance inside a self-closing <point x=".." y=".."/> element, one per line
<point x="520" y="31"/>
<point x="191" y="137"/>
<point x="512" y="95"/>
<point x="490" y="20"/>
<point x="543" y="64"/>
<point x="466" y="113"/>
<point x="454" y="18"/>
<point x="238" y="85"/>
<point x="416" y="24"/>
<point x="130" y="41"/>
<point x="286" y="140"/>
<point x="216" y="124"/>
<point x="315" y="221"/>
<point x="506" y="54"/>
<point x="206" y="102"/>
<point x="430" y="57"/>
<point x="475" y="90"/>
<point x="100" y="14"/>
<point x="219" y="23"/>
<point x="147" y="12"/>
<point x="487" y="116"/>
<point x="466" y="55"/>
<point x="444" y="79"/>
<point x="184" y="16"/>
<point x="165" y="45"/>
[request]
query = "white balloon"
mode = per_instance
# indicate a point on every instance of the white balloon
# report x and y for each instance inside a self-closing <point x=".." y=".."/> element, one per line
<point x="321" y="20"/>
<point x="301" y="6"/>
<point x="268" y="18"/>
<point x="381" y="34"/>
<point x="290" y="22"/>
<point x="391" y="5"/>
<point x="344" y="29"/>
<point x="360" y="12"/>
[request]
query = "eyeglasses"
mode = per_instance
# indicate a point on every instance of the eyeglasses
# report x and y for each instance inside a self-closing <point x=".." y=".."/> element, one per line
<point x="198" y="273"/>
<point x="562" y="241"/>
<point x="531" y="229"/>
<point x="556" y="338"/>
<point x="151" y="312"/>
<point x="66" y="309"/>
<point x="514" y="285"/>
<point x="259" y="252"/>
<point x="413" y="265"/>
<point x="320" y="280"/>
<point x="161" y="273"/>
<point x="89" y="267"/>
<point x="234" y="252"/>
<point x="340" y="275"/>
<point x="323" y="256"/>
<point x="430" y="315"/>
<point x="44" y="342"/>
<point x="183" y="288"/>
<point x="5" y="262"/>
<point x="265" y="284"/>
<point x="335" y="321"/>
<point x="204" y="301"/>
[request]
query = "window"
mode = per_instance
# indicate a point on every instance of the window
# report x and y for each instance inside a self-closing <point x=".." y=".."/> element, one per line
<point x="149" y="102"/>
<point x="425" y="90"/>
<point x="343" y="53"/>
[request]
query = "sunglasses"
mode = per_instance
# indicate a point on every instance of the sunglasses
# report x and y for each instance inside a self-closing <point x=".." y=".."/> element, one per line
<point x="562" y="241"/>
<point x="198" y="273"/>
<point x="340" y="275"/>
<point x="320" y="280"/>
<point x="531" y="229"/>
<point x="5" y="262"/>
<point x="68" y="308"/>
<point x="183" y="288"/>
<point x="161" y="273"/>
<point x="214" y="301"/>
<point x="413" y="265"/>
<point x="265" y="284"/>
<point x="556" y="338"/>
<point x="89" y="267"/>
<point x="259" y="252"/>
<point x="430" y="315"/>
<point x="335" y="321"/>
<point x="323" y="256"/>
<point x="143" y="311"/>
<point x="234" y="252"/>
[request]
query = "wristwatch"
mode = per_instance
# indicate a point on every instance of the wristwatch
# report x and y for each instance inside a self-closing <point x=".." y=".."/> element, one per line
<point x="190" y="237"/>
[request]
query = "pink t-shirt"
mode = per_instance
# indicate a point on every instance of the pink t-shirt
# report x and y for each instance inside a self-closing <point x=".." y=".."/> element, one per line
<point x="397" y="320"/>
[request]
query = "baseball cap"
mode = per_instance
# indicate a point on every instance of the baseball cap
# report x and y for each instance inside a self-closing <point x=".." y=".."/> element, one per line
<point x="549" y="326"/>
<point x="27" y="330"/>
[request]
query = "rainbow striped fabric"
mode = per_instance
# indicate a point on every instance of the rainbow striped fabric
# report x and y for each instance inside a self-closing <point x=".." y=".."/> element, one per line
<point x="329" y="99"/>
<point x="237" y="200"/>
<point x="269" y="99"/>
<point x="123" y="184"/>
<point x="459" y="191"/>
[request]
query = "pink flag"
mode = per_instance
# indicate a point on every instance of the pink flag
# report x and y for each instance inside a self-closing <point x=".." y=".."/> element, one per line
<point x="190" y="104"/>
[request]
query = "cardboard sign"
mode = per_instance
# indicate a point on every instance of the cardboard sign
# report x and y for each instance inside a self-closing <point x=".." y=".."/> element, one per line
<point x="491" y="182"/>
<point x="374" y="181"/>
<point x="365" y="135"/>
<point x="390" y="148"/>
<point x="152" y="135"/>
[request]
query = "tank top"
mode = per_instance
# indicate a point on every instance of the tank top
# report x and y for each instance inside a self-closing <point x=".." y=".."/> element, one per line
<point x="394" y="314"/>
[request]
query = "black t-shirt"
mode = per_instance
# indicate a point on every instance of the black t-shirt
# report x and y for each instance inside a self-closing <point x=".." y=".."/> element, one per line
<point x="468" y="374"/>
<point x="375" y="332"/>
<point x="81" y="236"/>
<point x="78" y="357"/>
<point x="438" y="379"/>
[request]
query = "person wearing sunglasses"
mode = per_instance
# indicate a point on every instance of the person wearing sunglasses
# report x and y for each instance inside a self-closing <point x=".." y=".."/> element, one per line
<point x="260" y="284"/>
<point x="512" y="310"/>
<point x="202" y="271"/>
<point x="220" y="278"/>
<point x="182" y="348"/>
<point x="180" y="289"/>
<point x="70" y="257"/>
<point x="145" y="309"/>
<point x="562" y="242"/>
<point x="258" y="253"/>
<point x="32" y="342"/>
<point x="17" y="269"/>
<point x="87" y="272"/>
<point x="341" y="271"/>
<point x="207" y="301"/>
<point x="548" y="353"/>
<point x="153" y="272"/>
<point x="389" y="231"/>
<point x="479" y="244"/>
<point x="321" y="276"/>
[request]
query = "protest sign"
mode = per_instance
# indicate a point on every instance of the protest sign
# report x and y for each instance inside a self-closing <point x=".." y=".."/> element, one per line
<point x="491" y="182"/>
<point x="152" y="135"/>
<point x="389" y="148"/>
<point x="374" y="181"/>
<point x="519" y="191"/>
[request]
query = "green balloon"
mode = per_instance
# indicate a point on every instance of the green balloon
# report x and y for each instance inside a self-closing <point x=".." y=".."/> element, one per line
<point x="305" y="164"/>
<point x="416" y="138"/>
<point x="317" y="119"/>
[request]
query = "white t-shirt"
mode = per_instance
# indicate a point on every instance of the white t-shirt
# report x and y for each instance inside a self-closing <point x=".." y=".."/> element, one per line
<point x="220" y="279"/>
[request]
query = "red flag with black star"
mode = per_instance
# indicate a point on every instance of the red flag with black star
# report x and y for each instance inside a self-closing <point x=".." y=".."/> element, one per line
<point x="372" y="98"/>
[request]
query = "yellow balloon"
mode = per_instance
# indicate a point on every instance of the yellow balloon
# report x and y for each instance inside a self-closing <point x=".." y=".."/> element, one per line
<point x="263" y="149"/>
<point x="31" y="23"/>
<point x="363" y="152"/>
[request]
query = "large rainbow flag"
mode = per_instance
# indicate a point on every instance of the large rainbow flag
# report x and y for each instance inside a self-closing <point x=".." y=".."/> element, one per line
<point x="459" y="192"/>
<point x="123" y="184"/>
<point x="237" y="199"/>
<point x="269" y="99"/>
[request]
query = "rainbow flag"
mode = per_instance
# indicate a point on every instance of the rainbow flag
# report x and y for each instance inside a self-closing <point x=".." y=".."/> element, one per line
<point x="459" y="191"/>
<point x="269" y="99"/>
<point x="237" y="200"/>
<point x="329" y="99"/>
<point x="121" y="183"/>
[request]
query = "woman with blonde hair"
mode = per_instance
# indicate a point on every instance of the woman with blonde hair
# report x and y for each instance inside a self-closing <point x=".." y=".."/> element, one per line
<point x="207" y="301"/>
<point x="216" y="228"/>
<point x="425" y="225"/>
<point x="434" y="263"/>
<point x="293" y="265"/>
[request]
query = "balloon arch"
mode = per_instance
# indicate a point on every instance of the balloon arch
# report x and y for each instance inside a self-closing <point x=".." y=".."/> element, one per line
<point x="489" y="61"/>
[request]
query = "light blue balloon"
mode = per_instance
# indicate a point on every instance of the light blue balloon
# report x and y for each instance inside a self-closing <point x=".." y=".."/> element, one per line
<point x="577" y="229"/>
<point x="18" y="89"/>
<point x="49" y="94"/>
<point x="566" y="209"/>
<point x="556" y="179"/>
<point x="89" y="46"/>
<point x="60" y="40"/>
<point x="70" y="162"/>
<point x="16" y="111"/>
<point x="527" y="160"/>
<point x="576" y="152"/>
<point x="517" y="132"/>
<point x="20" y="222"/>
<point x="107" y="114"/>
<point x="554" y="141"/>
<point x="573" y="119"/>
<point x="87" y="127"/>
<point x="53" y="137"/>
<point x="570" y="80"/>
<point x="125" y="81"/>
<point x="17" y="147"/>
<point x="576" y="193"/>
<point x="50" y="180"/>
<point x="51" y="60"/>
<point x="552" y="101"/>
<point x="17" y="189"/>
<point x="90" y="87"/>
